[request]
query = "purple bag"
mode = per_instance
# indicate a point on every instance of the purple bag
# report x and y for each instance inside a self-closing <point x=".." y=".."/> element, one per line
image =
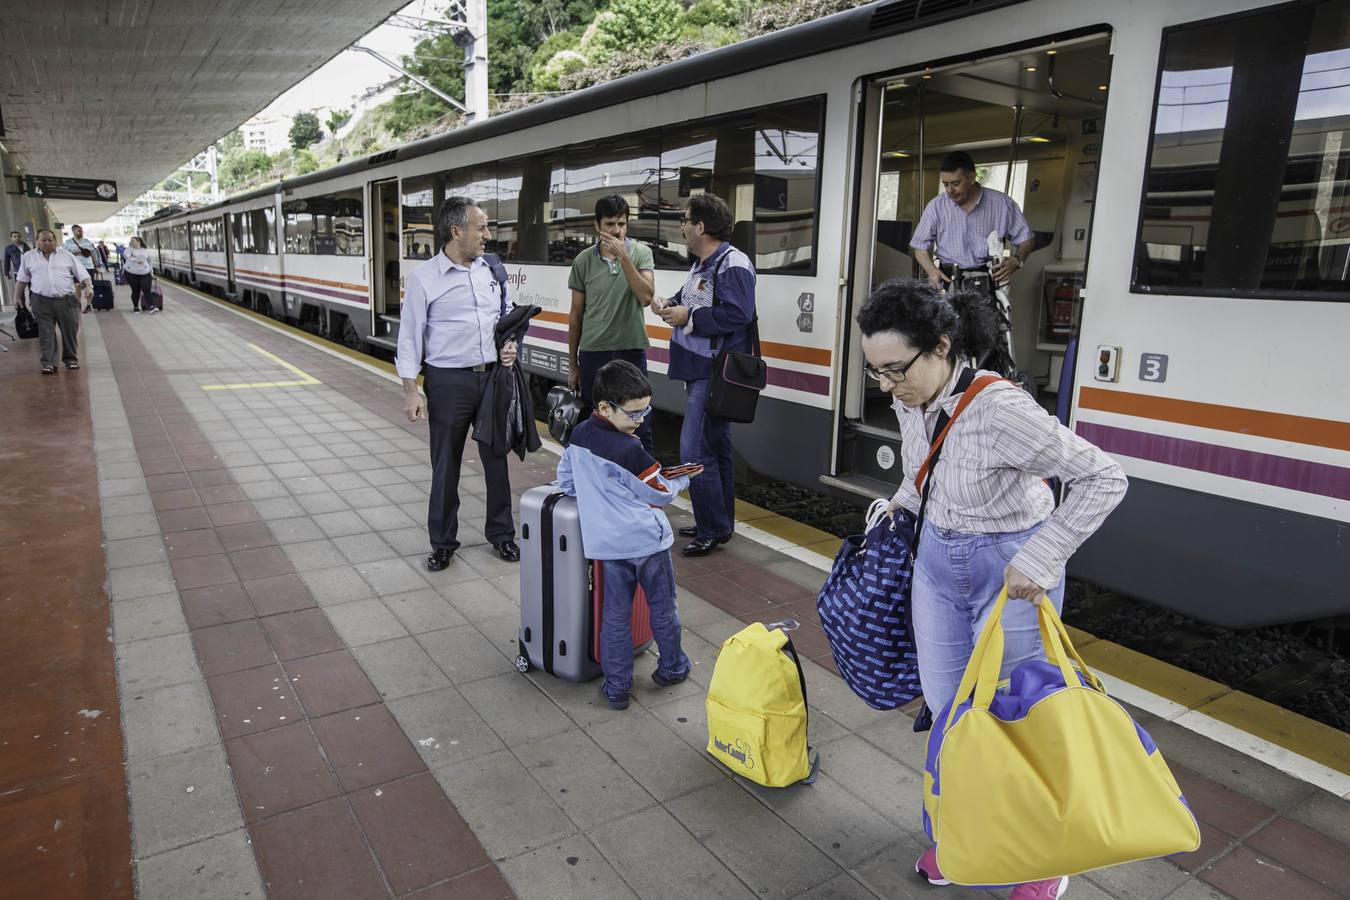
<point x="155" y="296"/>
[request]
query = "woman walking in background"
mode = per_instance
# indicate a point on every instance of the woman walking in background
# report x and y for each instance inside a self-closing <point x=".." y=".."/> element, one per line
<point x="137" y="267"/>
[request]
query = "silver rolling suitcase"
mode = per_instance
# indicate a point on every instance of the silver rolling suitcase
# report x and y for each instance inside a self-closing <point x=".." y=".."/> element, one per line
<point x="562" y="592"/>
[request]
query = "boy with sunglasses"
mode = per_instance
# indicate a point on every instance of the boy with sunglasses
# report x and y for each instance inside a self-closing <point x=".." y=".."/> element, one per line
<point x="619" y="489"/>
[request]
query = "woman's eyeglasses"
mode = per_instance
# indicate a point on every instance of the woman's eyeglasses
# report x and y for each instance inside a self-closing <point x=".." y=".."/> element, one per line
<point x="893" y="374"/>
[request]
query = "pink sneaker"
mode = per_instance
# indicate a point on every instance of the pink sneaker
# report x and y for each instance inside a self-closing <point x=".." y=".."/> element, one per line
<point x="927" y="867"/>
<point x="1049" y="889"/>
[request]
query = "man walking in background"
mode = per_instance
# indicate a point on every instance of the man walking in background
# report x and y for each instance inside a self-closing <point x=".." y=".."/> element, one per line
<point x="86" y="254"/>
<point x="54" y="281"/>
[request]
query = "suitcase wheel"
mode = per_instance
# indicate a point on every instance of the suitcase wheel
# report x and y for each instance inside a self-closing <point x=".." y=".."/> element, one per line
<point x="522" y="659"/>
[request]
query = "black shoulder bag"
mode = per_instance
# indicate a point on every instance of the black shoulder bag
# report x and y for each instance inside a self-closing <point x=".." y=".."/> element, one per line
<point x="737" y="378"/>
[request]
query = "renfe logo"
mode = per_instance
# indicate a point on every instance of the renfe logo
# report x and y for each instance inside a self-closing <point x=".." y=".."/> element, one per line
<point x="517" y="279"/>
<point x="738" y="750"/>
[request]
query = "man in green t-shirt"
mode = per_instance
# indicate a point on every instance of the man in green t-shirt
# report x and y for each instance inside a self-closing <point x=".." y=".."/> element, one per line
<point x="611" y="282"/>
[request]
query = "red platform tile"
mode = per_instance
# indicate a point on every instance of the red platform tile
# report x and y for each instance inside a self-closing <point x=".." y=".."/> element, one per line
<point x="1321" y="858"/>
<point x="366" y="746"/>
<point x="281" y="593"/>
<point x="232" y="647"/>
<point x="260" y="562"/>
<point x="306" y="632"/>
<point x="330" y="683"/>
<point x="316" y="853"/>
<point x="233" y="513"/>
<point x="216" y="605"/>
<point x="1244" y="875"/>
<point x="188" y="519"/>
<point x="772" y="587"/>
<point x="183" y="544"/>
<point x="728" y="596"/>
<point x="279" y="770"/>
<point x="1213" y="844"/>
<point x="221" y="493"/>
<point x="163" y="501"/>
<point x="1225" y="809"/>
<point x="253" y="700"/>
<point x="202" y="571"/>
<point x="418" y="836"/>
<point x="174" y="481"/>
<point x="245" y="537"/>
<point x="210" y="477"/>
<point x="482" y="884"/>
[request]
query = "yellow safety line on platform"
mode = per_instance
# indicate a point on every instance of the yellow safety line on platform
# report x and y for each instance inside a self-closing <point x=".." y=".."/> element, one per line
<point x="1276" y="725"/>
<point x="305" y="377"/>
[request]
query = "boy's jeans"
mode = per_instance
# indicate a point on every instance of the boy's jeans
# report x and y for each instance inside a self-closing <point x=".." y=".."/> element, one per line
<point x="656" y="574"/>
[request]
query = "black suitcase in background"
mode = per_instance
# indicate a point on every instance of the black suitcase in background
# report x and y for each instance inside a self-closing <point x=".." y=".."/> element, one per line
<point x="25" y="323"/>
<point x="103" y="295"/>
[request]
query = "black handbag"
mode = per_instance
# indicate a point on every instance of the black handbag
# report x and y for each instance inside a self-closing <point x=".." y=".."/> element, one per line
<point x="25" y="324"/>
<point x="737" y="377"/>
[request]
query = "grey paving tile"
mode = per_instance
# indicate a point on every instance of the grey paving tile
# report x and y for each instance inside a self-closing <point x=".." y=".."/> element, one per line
<point x="181" y="799"/>
<point x="582" y="779"/>
<point x="168" y="720"/>
<point x="1326" y="813"/>
<point x="363" y="548"/>
<point x="385" y="518"/>
<point x="135" y="504"/>
<point x="295" y="531"/>
<point x="327" y="466"/>
<point x="1190" y="890"/>
<point x="1150" y="879"/>
<point x="222" y="868"/>
<point x="653" y="755"/>
<point x="278" y="508"/>
<point x="407" y="541"/>
<point x="365" y="498"/>
<point x="157" y="662"/>
<point x="571" y="867"/>
<point x="382" y="477"/>
<point x="247" y="474"/>
<point x="312" y="555"/>
<point x="328" y="502"/>
<point x="683" y="870"/>
<point x="136" y="551"/>
<point x="339" y="524"/>
<point x="122" y="487"/>
<point x="363" y="622"/>
<point x="391" y="576"/>
<point x="759" y="847"/>
<point x="444" y="727"/>
<point x="832" y="696"/>
<point x="892" y="789"/>
<point x="463" y="654"/>
<point x="841" y="887"/>
<point x="581" y="702"/>
<point x="335" y="585"/>
<point x="140" y="581"/>
<point x="507" y="810"/>
<point x="133" y="526"/>
<point x="477" y="599"/>
<point x="891" y="875"/>
<point x="405" y="494"/>
<point x="839" y="824"/>
<point x="399" y="668"/>
<point x="1229" y="767"/>
<point x="895" y="736"/>
<point x="515" y="709"/>
<point x="308" y="484"/>
<point x="265" y="490"/>
<point x="147" y="617"/>
<point x="108" y="470"/>
<point x="344" y="481"/>
<point x="423" y="610"/>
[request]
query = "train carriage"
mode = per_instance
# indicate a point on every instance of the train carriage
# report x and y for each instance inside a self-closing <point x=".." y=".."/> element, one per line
<point x="1181" y="165"/>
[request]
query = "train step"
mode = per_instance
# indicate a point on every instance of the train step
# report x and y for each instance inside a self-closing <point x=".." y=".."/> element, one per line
<point x="390" y="344"/>
<point x="392" y="320"/>
<point x="859" y="486"/>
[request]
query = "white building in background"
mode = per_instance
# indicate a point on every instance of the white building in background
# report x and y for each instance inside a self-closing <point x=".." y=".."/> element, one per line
<point x="270" y="135"/>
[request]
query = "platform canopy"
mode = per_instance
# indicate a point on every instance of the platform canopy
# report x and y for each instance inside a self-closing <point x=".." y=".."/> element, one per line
<point x="130" y="90"/>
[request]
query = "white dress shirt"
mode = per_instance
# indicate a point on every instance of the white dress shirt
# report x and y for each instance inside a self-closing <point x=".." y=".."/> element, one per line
<point x="54" y="276"/>
<point x="448" y="316"/>
<point x="137" y="261"/>
<point x="990" y="476"/>
<point x="73" y="247"/>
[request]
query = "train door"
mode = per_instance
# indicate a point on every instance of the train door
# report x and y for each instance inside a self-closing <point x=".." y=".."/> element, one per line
<point x="1031" y="122"/>
<point x="227" y="238"/>
<point x="382" y="259"/>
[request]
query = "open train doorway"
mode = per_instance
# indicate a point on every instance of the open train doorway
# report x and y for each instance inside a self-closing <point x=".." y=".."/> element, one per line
<point x="1031" y="121"/>
<point x="382" y="264"/>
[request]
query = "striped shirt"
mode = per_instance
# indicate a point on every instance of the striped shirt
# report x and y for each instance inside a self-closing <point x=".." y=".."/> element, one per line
<point x="989" y="478"/>
<point x="961" y="237"/>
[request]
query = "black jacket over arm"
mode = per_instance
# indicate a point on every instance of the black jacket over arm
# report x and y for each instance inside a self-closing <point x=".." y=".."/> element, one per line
<point x="505" y="419"/>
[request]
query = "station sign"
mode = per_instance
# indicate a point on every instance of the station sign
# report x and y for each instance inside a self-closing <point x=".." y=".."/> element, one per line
<point x="53" y="187"/>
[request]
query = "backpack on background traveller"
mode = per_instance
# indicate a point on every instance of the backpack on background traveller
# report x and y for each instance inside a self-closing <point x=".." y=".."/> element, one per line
<point x="757" y="707"/>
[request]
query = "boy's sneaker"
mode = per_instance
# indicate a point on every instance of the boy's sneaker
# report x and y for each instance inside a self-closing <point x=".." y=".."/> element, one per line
<point x="619" y="702"/>
<point x="666" y="681"/>
<point x="1049" y="889"/>
<point x="927" y="867"/>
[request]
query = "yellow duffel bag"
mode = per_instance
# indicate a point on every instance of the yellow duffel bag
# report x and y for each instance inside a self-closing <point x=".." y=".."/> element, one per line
<point x="757" y="708"/>
<point x="1044" y="775"/>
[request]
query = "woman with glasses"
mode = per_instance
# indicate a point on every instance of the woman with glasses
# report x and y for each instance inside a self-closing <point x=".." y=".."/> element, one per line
<point x="990" y="518"/>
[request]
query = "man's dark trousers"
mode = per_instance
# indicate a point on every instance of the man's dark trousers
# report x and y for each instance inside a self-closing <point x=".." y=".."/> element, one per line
<point x="591" y="361"/>
<point x="452" y="402"/>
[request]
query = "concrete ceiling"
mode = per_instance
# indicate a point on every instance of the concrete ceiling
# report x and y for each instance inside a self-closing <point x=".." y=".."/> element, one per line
<point x="132" y="89"/>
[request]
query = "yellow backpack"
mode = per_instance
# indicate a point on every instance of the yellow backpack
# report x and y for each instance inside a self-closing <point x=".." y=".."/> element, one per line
<point x="757" y="708"/>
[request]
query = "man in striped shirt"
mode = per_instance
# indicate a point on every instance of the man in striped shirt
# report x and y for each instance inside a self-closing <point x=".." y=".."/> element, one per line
<point x="959" y="223"/>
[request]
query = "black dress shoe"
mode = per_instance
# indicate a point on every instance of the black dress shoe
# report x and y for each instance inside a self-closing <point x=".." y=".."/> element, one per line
<point x="439" y="559"/>
<point x="507" y="550"/>
<point x="688" y="531"/>
<point x="700" y="547"/>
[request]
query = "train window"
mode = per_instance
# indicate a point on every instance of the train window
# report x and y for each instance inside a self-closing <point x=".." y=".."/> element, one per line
<point x="480" y="184"/>
<point x="628" y="166"/>
<point x="265" y="225"/>
<point x="531" y="209"/>
<point x="1249" y="171"/>
<point x="326" y="225"/>
<point x="763" y="164"/>
<point x="422" y="196"/>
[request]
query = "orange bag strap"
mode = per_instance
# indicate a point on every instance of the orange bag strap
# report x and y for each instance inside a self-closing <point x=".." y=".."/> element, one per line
<point x="968" y="395"/>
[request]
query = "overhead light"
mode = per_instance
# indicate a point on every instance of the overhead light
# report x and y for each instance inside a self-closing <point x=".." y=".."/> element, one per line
<point x="1051" y="52"/>
<point x="895" y="154"/>
<point x="1037" y="139"/>
<point x="1031" y="68"/>
<point x="1101" y="87"/>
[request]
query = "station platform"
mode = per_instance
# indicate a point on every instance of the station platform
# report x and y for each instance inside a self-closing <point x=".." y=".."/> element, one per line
<point x="230" y="675"/>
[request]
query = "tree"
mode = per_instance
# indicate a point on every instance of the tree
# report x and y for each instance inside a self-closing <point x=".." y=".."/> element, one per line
<point x="305" y="130"/>
<point x="304" y="162"/>
<point x="231" y="142"/>
<point x="239" y="166"/>
<point x="337" y="118"/>
<point x="440" y="62"/>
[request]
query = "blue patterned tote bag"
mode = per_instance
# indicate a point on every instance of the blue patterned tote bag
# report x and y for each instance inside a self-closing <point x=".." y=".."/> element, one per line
<point x="864" y="610"/>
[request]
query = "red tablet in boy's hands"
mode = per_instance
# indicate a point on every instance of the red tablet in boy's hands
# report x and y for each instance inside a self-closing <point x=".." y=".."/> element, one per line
<point x="682" y="469"/>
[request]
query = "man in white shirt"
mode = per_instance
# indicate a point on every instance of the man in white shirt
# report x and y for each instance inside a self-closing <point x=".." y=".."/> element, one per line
<point x="448" y="323"/>
<point x="85" y="253"/>
<point x="54" y="281"/>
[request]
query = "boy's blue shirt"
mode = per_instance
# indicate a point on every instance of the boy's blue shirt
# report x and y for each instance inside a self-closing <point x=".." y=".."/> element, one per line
<point x="618" y="486"/>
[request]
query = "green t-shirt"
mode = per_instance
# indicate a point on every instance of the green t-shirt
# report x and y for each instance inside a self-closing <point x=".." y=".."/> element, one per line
<point x="613" y="317"/>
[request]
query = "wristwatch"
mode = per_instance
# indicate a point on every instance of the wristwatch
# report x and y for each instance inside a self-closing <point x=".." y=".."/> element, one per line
<point x="1020" y="261"/>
